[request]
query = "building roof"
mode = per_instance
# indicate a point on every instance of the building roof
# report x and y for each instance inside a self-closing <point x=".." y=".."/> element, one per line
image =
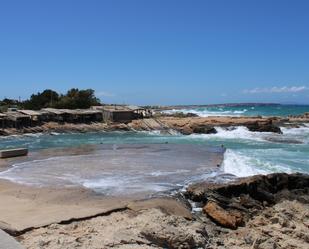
<point x="30" y="112"/>
<point x="113" y="108"/>
<point x="16" y="115"/>
<point x="134" y="107"/>
<point x="55" y="111"/>
<point x="44" y="112"/>
<point x="88" y="111"/>
<point x="72" y="111"/>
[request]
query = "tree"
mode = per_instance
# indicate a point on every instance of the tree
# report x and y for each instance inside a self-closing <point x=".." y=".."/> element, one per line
<point x="78" y="99"/>
<point x="73" y="99"/>
<point x="48" y="98"/>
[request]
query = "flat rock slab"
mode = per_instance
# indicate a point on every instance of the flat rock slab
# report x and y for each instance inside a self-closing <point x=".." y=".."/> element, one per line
<point x="29" y="207"/>
<point x="8" y="242"/>
<point x="13" y="152"/>
<point x="121" y="170"/>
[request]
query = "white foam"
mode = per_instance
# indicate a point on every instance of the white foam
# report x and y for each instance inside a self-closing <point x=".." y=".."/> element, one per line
<point x="248" y="163"/>
<point x="296" y="131"/>
<point x="239" y="132"/>
<point x="240" y="165"/>
<point x="207" y="113"/>
<point x="301" y="133"/>
<point x="166" y="173"/>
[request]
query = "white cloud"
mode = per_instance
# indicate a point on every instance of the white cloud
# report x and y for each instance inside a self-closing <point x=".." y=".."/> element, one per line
<point x="276" y="89"/>
<point x="104" y="94"/>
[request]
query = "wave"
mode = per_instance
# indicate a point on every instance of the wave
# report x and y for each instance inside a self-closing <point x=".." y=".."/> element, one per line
<point x="239" y="132"/>
<point x="207" y="113"/>
<point x="296" y="131"/>
<point x="242" y="165"/>
<point x="301" y="133"/>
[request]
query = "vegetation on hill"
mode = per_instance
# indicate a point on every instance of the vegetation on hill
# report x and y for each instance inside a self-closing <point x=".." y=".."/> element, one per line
<point x="73" y="99"/>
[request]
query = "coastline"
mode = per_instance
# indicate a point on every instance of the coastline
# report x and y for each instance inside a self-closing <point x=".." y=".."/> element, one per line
<point x="185" y="125"/>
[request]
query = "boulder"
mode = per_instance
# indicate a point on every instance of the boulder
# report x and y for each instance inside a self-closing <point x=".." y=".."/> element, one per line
<point x="221" y="216"/>
<point x="203" y="129"/>
<point x="233" y="203"/>
<point x="264" y="126"/>
<point x="120" y="127"/>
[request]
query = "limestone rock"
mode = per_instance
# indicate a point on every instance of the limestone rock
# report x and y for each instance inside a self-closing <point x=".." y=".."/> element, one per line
<point x="203" y="129"/>
<point x="221" y="216"/>
<point x="264" y="126"/>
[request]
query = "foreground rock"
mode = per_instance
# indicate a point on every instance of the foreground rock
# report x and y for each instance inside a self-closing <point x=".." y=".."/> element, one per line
<point x="222" y="217"/>
<point x="150" y="228"/>
<point x="261" y="212"/>
<point x="284" y="225"/>
<point x="230" y="205"/>
<point x="258" y="212"/>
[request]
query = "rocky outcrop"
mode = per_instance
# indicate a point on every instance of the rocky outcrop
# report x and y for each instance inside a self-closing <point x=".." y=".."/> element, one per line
<point x="207" y="125"/>
<point x="183" y="123"/>
<point x="229" y="205"/>
<point x="264" y="126"/>
<point x="258" y="212"/>
<point x="203" y="129"/>
<point x="302" y="116"/>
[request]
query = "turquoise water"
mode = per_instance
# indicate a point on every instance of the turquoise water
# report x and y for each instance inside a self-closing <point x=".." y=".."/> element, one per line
<point x="247" y="110"/>
<point x="247" y="153"/>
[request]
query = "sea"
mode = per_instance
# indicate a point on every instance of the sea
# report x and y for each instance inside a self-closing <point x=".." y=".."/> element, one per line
<point x="247" y="153"/>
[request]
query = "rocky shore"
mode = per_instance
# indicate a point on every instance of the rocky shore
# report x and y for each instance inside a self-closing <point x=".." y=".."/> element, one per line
<point x="184" y="124"/>
<point x="256" y="212"/>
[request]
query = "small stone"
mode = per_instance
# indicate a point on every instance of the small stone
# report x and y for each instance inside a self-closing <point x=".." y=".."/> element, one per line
<point x="248" y="239"/>
<point x="274" y="220"/>
<point x="268" y="244"/>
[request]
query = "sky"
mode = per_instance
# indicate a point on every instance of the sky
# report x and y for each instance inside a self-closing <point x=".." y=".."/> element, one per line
<point x="158" y="52"/>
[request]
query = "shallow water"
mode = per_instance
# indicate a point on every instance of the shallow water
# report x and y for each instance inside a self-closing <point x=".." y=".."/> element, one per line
<point x="248" y="153"/>
<point x="122" y="169"/>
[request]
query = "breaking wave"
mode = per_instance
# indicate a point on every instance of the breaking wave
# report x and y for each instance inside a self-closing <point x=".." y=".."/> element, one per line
<point x="241" y="165"/>
<point x="208" y="113"/>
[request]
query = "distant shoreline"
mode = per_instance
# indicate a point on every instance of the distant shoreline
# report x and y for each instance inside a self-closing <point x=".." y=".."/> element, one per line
<point x="167" y="107"/>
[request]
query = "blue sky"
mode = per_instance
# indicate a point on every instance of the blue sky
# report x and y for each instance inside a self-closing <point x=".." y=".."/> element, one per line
<point x="157" y="52"/>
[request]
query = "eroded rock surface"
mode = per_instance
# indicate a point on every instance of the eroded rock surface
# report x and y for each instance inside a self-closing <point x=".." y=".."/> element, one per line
<point x="146" y="229"/>
<point x="257" y="212"/>
<point x="244" y="198"/>
<point x="264" y="126"/>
